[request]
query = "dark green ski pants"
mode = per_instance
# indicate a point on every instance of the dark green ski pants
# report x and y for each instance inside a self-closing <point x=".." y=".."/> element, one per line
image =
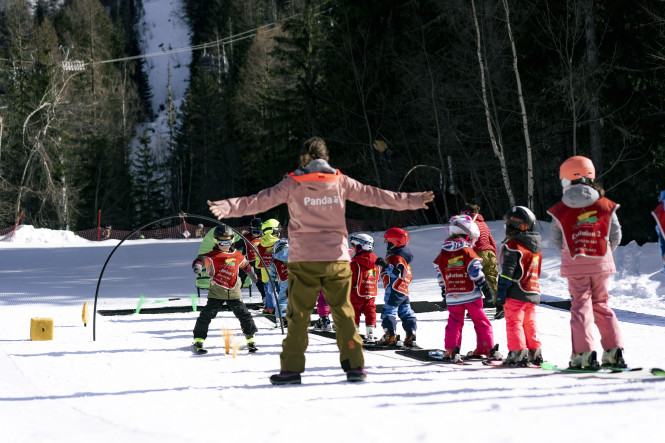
<point x="305" y="280"/>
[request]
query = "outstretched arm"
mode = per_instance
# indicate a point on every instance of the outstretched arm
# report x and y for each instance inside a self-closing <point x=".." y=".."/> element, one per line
<point x="428" y="196"/>
<point x="253" y="204"/>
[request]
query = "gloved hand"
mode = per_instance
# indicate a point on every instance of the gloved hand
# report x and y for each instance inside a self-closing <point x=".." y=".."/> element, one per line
<point x="381" y="262"/>
<point x="500" y="297"/>
<point x="443" y="292"/>
<point x="487" y="291"/>
<point x="197" y="267"/>
<point x="252" y="275"/>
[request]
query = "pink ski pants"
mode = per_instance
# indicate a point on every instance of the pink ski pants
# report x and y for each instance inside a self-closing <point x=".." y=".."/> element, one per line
<point x="482" y="325"/>
<point x="589" y="305"/>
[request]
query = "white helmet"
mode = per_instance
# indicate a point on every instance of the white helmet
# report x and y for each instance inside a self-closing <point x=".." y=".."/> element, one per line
<point x="361" y="242"/>
<point x="464" y="225"/>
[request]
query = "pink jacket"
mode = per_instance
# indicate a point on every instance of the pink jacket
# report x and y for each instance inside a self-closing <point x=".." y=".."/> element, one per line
<point x="317" y="206"/>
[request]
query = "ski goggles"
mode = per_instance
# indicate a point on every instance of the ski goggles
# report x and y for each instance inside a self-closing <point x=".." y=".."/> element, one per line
<point x="362" y="244"/>
<point x="274" y="231"/>
<point x="565" y="182"/>
<point x="224" y="243"/>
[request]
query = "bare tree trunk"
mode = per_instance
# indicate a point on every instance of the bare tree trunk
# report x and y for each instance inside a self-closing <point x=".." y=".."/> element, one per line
<point x="37" y="145"/>
<point x="596" y="138"/>
<point x="442" y="170"/>
<point x="497" y="148"/>
<point x="525" y="123"/>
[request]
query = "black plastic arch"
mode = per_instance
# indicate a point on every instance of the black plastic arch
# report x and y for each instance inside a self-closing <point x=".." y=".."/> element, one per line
<point x="183" y="215"/>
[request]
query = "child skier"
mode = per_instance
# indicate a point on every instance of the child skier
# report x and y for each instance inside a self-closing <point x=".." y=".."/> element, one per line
<point x="586" y="230"/>
<point x="485" y="247"/>
<point x="271" y="231"/>
<point x="252" y="238"/>
<point x="222" y="265"/>
<point x="459" y="270"/>
<point x="279" y="273"/>
<point x="323" y="309"/>
<point x="518" y="289"/>
<point x="396" y="274"/>
<point x="364" y="282"/>
<point x="659" y="215"/>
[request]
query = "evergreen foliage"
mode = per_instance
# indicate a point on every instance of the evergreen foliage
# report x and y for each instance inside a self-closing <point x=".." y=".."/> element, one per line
<point x="394" y="86"/>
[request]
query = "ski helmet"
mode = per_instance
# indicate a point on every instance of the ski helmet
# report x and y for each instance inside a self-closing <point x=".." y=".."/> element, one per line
<point x="576" y="168"/>
<point x="255" y="227"/>
<point x="520" y="218"/>
<point x="470" y="209"/>
<point x="464" y="225"/>
<point x="223" y="235"/>
<point x="396" y="237"/>
<point x="361" y="242"/>
<point x="282" y="243"/>
<point x="271" y="227"/>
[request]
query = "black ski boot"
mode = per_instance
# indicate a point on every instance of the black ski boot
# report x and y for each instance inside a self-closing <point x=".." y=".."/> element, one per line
<point x="285" y="378"/>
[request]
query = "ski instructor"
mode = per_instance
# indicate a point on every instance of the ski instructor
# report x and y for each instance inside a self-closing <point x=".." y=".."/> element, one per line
<point x="316" y="195"/>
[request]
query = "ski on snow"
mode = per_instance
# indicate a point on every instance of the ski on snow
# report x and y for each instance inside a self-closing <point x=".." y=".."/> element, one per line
<point x="609" y="372"/>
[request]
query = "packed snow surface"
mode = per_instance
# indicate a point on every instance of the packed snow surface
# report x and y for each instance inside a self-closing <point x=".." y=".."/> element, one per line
<point x="140" y="382"/>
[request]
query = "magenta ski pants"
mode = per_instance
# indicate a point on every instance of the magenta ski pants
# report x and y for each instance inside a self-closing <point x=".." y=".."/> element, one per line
<point x="322" y="307"/>
<point x="589" y="306"/>
<point x="482" y="325"/>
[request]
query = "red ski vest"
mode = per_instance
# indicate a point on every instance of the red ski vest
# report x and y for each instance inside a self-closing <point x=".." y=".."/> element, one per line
<point x="530" y="264"/>
<point x="585" y="230"/>
<point x="266" y="255"/>
<point x="251" y="240"/>
<point x="401" y="284"/>
<point x="225" y="267"/>
<point x="367" y="281"/>
<point x="282" y="270"/>
<point x="453" y="266"/>
<point x="659" y="215"/>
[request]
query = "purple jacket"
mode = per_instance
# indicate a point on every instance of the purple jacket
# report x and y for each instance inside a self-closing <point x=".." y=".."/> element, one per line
<point x="317" y="206"/>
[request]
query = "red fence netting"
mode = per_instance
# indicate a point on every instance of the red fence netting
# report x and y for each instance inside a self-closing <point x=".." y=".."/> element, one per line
<point x="189" y="230"/>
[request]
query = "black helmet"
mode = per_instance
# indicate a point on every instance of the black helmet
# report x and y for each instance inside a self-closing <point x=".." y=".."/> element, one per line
<point x="255" y="227"/>
<point x="520" y="218"/>
<point x="223" y="235"/>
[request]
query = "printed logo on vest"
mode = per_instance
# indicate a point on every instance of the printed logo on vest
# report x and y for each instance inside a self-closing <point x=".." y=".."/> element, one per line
<point x="587" y="217"/>
<point x="456" y="262"/>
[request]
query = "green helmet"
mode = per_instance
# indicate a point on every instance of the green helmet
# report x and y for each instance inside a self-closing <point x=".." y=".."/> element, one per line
<point x="271" y="227"/>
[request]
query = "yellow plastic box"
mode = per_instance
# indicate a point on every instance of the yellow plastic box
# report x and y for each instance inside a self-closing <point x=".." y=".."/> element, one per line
<point x="41" y="328"/>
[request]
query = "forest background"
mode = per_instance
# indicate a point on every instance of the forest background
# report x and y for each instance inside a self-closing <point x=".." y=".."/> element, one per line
<point x="478" y="100"/>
